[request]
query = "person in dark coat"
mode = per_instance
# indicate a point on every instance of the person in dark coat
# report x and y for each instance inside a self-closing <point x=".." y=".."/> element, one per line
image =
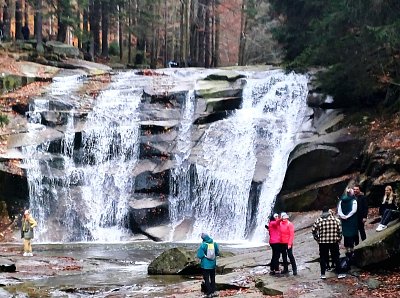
<point x="25" y="32"/>
<point x="362" y="213"/>
<point x="390" y="207"/>
<point x="347" y="211"/>
<point x="207" y="263"/>
<point x="389" y="200"/>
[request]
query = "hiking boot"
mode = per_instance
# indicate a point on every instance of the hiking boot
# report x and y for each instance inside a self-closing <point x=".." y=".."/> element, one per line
<point x="25" y="254"/>
<point x="294" y="272"/>
<point x="342" y="275"/>
<point x="272" y="273"/>
<point x="323" y="276"/>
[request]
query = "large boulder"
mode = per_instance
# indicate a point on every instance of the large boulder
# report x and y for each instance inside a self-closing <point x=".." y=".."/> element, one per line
<point x="174" y="261"/>
<point x="328" y="157"/>
<point x="7" y="265"/>
<point x="381" y="249"/>
<point x="63" y="49"/>
<point x="314" y="196"/>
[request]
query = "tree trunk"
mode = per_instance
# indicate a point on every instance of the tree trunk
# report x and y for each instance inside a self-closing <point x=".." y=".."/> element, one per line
<point x="62" y="26"/>
<point x="182" y="57"/>
<point x="120" y="32"/>
<point x="78" y="17"/>
<point x="94" y="19"/>
<point x="26" y="13"/>
<point x="105" y="16"/>
<point x="129" y="31"/>
<point x="85" y="39"/>
<point x="187" y="32"/>
<point x="173" y="37"/>
<point x="18" y="19"/>
<point x="165" y="34"/>
<point x="7" y="20"/>
<point x="217" y="34"/>
<point x="38" y="27"/>
<point x="242" y="41"/>
<point x="207" y="36"/>
<point x="201" y="35"/>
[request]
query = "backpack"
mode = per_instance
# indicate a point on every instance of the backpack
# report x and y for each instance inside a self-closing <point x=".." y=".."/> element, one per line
<point x="344" y="264"/>
<point x="210" y="251"/>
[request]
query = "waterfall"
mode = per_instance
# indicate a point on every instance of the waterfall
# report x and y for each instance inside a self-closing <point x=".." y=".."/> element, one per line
<point x="265" y="127"/>
<point x="81" y="192"/>
<point x="180" y="174"/>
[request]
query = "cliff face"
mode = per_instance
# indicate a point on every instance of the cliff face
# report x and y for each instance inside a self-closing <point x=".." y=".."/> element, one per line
<point x="348" y="147"/>
<point x="336" y="148"/>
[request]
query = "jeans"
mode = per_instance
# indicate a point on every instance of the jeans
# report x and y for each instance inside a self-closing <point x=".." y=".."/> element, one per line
<point x="361" y="230"/>
<point x="389" y="215"/>
<point x="209" y="280"/>
<point x="324" y="249"/>
<point x="288" y="252"/>
<point x="274" y="266"/>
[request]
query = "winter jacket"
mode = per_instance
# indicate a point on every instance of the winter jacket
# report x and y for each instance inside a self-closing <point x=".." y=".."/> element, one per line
<point x="287" y="232"/>
<point x="202" y="252"/>
<point x="347" y="211"/>
<point x="27" y="227"/>
<point x="362" y="207"/>
<point x="274" y="231"/>
<point x="388" y="204"/>
<point x="327" y="229"/>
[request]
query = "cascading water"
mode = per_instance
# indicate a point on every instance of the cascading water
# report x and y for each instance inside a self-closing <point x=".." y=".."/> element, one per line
<point x="180" y="174"/>
<point x="218" y="199"/>
<point x="80" y="195"/>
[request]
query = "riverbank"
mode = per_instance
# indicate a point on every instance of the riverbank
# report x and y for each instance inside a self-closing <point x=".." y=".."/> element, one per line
<point x="120" y="270"/>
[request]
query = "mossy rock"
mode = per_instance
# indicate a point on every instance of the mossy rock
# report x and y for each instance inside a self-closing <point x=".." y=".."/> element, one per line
<point x="174" y="261"/>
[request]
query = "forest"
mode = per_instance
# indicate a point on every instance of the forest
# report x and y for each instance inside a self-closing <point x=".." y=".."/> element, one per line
<point x="354" y="45"/>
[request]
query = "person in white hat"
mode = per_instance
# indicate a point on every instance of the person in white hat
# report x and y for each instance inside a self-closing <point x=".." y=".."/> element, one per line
<point x="287" y="238"/>
<point x="28" y="223"/>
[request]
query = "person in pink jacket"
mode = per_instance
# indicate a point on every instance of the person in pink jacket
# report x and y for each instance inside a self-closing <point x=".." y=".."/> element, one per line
<point x="287" y="238"/>
<point x="274" y="242"/>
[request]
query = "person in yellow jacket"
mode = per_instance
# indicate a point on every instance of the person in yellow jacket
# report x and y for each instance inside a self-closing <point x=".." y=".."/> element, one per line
<point x="28" y="223"/>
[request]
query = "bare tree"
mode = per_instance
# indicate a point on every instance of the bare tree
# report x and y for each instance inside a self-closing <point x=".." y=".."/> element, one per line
<point x="18" y="19"/>
<point x="38" y="26"/>
<point x="7" y="19"/>
<point x="242" y="40"/>
<point x="105" y="17"/>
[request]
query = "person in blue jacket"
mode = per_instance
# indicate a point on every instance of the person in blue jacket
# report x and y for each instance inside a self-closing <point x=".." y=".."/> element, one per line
<point x="207" y="253"/>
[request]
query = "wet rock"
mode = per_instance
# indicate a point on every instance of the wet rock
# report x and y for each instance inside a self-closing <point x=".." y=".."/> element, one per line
<point x="226" y="75"/>
<point x="60" y="48"/>
<point x="174" y="261"/>
<point x="335" y="155"/>
<point x="314" y="196"/>
<point x="150" y="210"/>
<point x="373" y="283"/>
<point x="7" y="265"/>
<point x="260" y="284"/>
<point x="183" y="229"/>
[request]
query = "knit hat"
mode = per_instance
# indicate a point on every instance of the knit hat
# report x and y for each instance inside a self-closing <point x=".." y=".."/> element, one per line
<point x="26" y="212"/>
<point x="284" y="215"/>
<point x="276" y="215"/>
<point x="350" y="192"/>
<point x="204" y="235"/>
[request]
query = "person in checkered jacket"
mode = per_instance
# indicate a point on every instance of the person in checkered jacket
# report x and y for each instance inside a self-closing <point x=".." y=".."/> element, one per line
<point x="327" y="231"/>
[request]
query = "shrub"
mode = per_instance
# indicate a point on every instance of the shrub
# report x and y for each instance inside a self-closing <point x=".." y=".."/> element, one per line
<point x="113" y="49"/>
<point x="3" y="120"/>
